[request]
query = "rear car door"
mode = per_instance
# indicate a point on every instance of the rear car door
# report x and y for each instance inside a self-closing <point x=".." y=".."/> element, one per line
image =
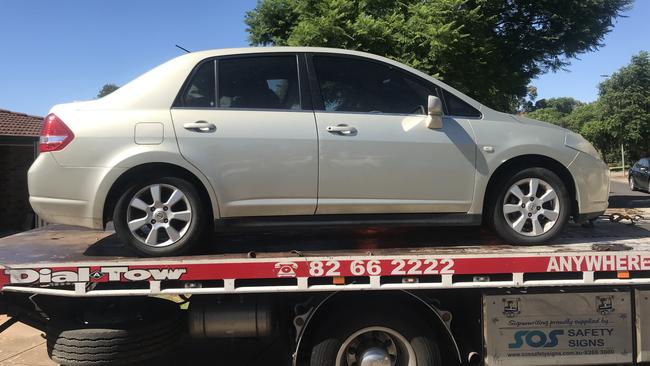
<point x="245" y="123"/>
<point x="376" y="153"/>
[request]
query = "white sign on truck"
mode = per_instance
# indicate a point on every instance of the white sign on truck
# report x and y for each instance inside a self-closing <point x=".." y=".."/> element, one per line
<point x="562" y="329"/>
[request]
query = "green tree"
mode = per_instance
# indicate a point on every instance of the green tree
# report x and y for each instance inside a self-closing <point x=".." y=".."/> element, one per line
<point x="489" y="49"/>
<point x="625" y="99"/>
<point x="557" y="111"/>
<point x="549" y="114"/>
<point x="582" y="115"/>
<point x="564" y="105"/>
<point x="527" y="104"/>
<point x="107" y="89"/>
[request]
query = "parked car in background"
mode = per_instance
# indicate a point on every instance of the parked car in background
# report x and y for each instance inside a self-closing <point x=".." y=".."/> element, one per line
<point x="639" y="175"/>
<point x="295" y="137"/>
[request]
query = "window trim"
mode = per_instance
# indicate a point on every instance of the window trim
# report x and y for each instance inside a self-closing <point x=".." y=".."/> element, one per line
<point x="304" y="99"/>
<point x="319" y="105"/>
<point x="178" y="101"/>
<point x="444" y="102"/>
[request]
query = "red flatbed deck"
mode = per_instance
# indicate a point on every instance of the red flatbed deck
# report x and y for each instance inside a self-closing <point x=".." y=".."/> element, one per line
<point x="70" y="261"/>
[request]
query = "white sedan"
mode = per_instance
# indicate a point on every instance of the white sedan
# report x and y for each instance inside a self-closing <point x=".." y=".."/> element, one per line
<point x="290" y="137"/>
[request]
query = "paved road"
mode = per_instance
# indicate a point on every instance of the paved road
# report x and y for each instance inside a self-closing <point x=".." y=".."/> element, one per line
<point x="621" y="196"/>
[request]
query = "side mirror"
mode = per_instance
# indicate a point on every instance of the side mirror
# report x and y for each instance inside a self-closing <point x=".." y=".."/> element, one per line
<point x="434" y="112"/>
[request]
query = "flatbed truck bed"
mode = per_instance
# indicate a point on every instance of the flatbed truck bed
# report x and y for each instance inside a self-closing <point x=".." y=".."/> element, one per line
<point x="311" y="278"/>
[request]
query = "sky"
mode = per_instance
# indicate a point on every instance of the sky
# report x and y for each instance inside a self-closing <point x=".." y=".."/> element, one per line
<point x="61" y="51"/>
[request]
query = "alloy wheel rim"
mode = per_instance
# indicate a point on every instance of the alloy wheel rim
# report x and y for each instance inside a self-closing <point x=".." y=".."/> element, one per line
<point x="159" y="215"/>
<point x="376" y="346"/>
<point x="631" y="184"/>
<point x="531" y="207"/>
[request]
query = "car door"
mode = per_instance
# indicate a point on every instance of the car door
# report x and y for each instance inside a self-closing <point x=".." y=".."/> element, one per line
<point x="252" y="134"/>
<point x="376" y="153"/>
<point x="644" y="173"/>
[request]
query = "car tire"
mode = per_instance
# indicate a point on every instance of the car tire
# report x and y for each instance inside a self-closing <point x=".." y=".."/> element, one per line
<point x="633" y="187"/>
<point x="174" y="235"/>
<point x="551" y="216"/>
<point x="407" y="334"/>
<point x="134" y="336"/>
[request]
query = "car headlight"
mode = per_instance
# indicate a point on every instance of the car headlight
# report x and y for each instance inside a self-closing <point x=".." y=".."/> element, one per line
<point x="577" y="142"/>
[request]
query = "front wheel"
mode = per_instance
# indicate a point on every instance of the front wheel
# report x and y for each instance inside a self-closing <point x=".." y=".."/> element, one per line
<point x="531" y="207"/>
<point x="160" y="217"/>
<point x="632" y="185"/>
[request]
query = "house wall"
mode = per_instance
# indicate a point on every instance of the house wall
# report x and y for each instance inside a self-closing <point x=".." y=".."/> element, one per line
<point x="15" y="211"/>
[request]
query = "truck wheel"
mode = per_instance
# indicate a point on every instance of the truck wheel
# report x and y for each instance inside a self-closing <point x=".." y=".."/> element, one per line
<point x="531" y="207"/>
<point x="160" y="217"/>
<point x="100" y="339"/>
<point x="394" y="342"/>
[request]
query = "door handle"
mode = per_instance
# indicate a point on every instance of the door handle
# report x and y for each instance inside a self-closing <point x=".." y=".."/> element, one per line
<point x="200" y="126"/>
<point x="342" y="129"/>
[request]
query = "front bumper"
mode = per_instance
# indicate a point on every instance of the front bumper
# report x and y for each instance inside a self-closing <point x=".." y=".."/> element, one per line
<point x="65" y="195"/>
<point x="592" y="184"/>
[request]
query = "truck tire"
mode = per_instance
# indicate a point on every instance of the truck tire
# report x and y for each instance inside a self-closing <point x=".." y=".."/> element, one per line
<point x="355" y="338"/>
<point x="523" y="217"/>
<point x="178" y="225"/>
<point x="153" y="332"/>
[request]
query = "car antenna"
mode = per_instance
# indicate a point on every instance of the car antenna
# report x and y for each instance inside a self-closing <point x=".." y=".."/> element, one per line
<point x="183" y="48"/>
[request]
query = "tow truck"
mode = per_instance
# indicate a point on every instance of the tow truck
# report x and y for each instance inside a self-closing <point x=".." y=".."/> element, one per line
<point x="360" y="296"/>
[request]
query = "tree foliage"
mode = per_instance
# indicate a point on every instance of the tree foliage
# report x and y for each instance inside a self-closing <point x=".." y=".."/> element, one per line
<point x="107" y="89"/>
<point x="621" y="115"/>
<point x="625" y="98"/>
<point x="489" y="49"/>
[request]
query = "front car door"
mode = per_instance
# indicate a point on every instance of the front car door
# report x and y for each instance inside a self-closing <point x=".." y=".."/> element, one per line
<point x="644" y="173"/>
<point x="376" y="154"/>
<point x="245" y="123"/>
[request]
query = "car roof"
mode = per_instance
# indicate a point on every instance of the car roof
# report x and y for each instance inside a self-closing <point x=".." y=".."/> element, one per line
<point x="277" y="49"/>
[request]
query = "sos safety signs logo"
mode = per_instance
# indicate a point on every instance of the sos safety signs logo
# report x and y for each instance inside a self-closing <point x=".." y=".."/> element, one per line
<point x="558" y="329"/>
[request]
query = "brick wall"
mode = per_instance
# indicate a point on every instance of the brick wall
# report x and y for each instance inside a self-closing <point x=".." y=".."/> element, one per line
<point x="14" y="197"/>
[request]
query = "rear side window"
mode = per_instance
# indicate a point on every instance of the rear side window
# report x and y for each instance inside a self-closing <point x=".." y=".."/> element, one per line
<point x="354" y="85"/>
<point x="457" y="107"/>
<point x="200" y="92"/>
<point x="268" y="82"/>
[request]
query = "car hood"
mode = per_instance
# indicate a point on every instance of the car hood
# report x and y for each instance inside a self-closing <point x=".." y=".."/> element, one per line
<point x="534" y="122"/>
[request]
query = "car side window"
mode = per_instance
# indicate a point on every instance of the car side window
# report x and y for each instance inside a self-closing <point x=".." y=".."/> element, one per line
<point x="200" y="91"/>
<point x="458" y="107"/>
<point x="265" y="82"/>
<point x="354" y="85"/>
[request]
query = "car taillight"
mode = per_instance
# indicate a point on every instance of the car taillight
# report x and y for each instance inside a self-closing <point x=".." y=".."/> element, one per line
<point x="55" y="135"/>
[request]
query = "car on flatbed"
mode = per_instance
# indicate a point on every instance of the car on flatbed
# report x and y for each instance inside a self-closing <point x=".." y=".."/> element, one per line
<point x="304" y="137"/>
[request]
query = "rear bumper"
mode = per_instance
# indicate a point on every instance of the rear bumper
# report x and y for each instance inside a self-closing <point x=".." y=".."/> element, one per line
<point x="64" y="211"/>
<point x="65" y="195"/>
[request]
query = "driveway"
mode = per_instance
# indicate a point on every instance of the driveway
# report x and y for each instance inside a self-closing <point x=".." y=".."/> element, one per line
<point x="622" y="197"/>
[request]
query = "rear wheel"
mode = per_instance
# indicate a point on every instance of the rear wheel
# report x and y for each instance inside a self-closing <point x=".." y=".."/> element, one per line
<point x="390" y="341"/>
<point x="160" y="216"/>
<point x="531" y="207"/>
